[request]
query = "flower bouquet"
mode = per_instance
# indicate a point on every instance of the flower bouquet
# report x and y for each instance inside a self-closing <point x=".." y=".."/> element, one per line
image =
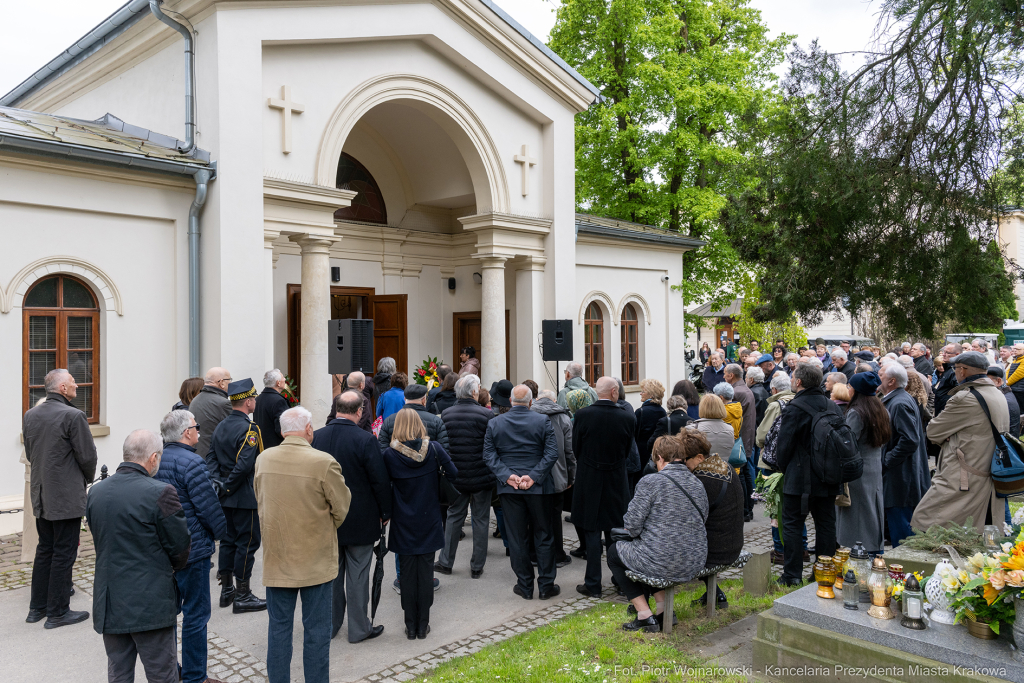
<point x="289" y="392"/>
<point x="899" y="584"/>
<point x="768" y="490"/>
<point x="426" y="373"/>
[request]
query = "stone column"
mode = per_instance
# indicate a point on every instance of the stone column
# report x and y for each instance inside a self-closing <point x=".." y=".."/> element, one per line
<point x="492" y="319"/>
<point x="268" y="296"/>
<point x="315" y="381"/>
<point x="529" y="313"/>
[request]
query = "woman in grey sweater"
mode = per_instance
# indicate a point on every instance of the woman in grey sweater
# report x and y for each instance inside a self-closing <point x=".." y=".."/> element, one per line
<point x="666" y="520"/>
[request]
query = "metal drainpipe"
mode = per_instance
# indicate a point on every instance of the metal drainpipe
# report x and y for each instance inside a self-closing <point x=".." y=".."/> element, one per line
<point x="202" y="182"/>
<point x="190" y="71"/>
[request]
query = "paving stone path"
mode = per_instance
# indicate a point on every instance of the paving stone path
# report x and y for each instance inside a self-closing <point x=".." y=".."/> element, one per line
<point x="234" y="665"/>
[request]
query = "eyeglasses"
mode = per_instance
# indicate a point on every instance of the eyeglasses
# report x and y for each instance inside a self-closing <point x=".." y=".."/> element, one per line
<point x="195" y="427"/>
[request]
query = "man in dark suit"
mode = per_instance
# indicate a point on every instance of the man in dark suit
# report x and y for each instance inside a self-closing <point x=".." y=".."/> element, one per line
<point x="235" y="444"/>
<point x="601" y="434"/>
<point x="520" y="448"/>
<point x="367" y="478"/>
<point x="947" y="380"/>
<point x="269" y="406"/>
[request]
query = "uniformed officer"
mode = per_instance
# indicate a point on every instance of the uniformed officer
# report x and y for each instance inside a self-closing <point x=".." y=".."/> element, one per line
<point x="236" y="442"/>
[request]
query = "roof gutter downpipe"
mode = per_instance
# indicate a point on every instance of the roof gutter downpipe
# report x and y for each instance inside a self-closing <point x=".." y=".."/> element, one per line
<point x="190" y="80"/>
<point x="202" y="177"/>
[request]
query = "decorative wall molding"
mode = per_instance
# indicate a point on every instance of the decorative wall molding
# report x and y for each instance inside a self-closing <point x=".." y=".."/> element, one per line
<point x="600" y="297"/>
<point x="70" y="265"/>
<point x="636" y="299"/>
<point x="469" y="134"/>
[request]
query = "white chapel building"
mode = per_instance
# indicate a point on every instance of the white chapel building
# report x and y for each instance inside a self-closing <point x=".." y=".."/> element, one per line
<point x="408" y="162"/>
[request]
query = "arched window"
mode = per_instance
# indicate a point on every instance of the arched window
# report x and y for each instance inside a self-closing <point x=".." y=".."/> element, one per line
<point x="593" y="343"/>
<point x="62" y="330"/>
<point x="630" y="346"/>
<point x="368" y="205"/>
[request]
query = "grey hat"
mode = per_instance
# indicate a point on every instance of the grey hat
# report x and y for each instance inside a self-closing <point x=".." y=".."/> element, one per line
<point x="972" y="359"/>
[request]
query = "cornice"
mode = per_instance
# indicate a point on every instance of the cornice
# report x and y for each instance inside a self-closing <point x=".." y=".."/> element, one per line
<point x="310" y="196"/>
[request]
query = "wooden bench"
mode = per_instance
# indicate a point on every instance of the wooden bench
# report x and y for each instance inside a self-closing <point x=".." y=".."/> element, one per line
<point x="669" y="586"/>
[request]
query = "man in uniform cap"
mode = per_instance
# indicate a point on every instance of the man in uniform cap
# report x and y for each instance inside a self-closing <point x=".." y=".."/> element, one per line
<point x="235" y="444"/>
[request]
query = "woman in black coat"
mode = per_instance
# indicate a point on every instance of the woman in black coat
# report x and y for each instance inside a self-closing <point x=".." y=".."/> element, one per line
<point x="647" y="415"/>
<point x="724" y="523"/>
<point x="413" y="460"/>
<point x="677" y="418"/>
<point x="446" y="397"/>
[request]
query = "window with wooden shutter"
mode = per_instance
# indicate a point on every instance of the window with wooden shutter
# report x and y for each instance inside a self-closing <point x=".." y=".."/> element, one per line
<point x="630" y="346"/>
<point x="593" y="344"/>
<point x="61" y="330"/>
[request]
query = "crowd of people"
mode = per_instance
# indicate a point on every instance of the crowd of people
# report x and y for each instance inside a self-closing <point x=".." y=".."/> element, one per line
<point x="657" y="491"/>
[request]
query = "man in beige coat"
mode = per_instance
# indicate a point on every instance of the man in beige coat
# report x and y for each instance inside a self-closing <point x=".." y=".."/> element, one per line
<point x="302" y="499"/>
<point x="962" y="485"/>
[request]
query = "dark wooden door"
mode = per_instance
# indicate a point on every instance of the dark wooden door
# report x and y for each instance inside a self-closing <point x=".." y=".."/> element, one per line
<point x="467" y="332"/>
<point x="390" y="329"/>
<point x="346" y="302"/>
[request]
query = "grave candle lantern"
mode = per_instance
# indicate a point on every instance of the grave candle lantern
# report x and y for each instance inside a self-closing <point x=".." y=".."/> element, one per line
<point x="913" y="605"/>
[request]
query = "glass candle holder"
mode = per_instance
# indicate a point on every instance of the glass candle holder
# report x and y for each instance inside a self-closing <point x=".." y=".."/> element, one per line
<point x="880" y="589"/>
<point x="990" y="536"/>
<point x="851" y="591"/>
<point x="825" y="575"/>
<point x="913" y="605"/>
<point x="896" y="572"/>
<point x="860" y="562"/>
<point x="840" y="560"/>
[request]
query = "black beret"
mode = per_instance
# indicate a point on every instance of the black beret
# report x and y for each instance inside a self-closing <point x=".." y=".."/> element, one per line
<point x="415" y="392"/>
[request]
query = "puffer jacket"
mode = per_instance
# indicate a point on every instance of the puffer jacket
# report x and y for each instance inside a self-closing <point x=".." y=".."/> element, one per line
<point x="443" y="401"/>
<point x="381" y="385"/>
<point x="466" y="424"/>
<point x="563" y="474"/>
<point x="182" y="468"/>
<point x="435" y="427"/>
<point x="734" y="416"/>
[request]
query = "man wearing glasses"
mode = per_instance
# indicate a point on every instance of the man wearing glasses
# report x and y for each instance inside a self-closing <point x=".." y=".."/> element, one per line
<point x="210" y="406"/>
<point x="181" y="467"/>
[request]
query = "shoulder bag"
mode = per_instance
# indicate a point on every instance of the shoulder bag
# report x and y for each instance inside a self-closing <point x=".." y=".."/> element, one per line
<point x="1007" y="459"/>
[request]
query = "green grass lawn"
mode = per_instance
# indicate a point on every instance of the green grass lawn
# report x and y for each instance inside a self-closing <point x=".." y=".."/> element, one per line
<point x="591" y="646"/>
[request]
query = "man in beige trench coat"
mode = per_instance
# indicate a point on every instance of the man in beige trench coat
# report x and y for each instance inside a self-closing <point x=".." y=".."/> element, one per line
<point x="962" y="485"/>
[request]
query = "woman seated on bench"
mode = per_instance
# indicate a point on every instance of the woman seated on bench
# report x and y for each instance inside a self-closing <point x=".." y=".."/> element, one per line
<point x="666" y="520"/>
<point x="725" y="505"/>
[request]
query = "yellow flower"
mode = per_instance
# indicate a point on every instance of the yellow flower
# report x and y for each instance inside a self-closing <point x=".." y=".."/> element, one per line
<point x="1015" y="560"/>
<point x="951" y="584"/>
<point x="991" y="594"/>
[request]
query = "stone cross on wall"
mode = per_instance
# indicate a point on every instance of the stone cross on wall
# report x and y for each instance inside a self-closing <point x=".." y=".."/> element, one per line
<point x="287" y="108"/>
<point x="527" y="161"/>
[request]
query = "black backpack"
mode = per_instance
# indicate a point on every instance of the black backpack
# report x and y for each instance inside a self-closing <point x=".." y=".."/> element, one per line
<point x="834" y="456"/>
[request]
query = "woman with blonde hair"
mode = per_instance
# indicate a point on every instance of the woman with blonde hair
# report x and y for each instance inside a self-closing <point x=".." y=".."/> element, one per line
<point x="915" y="387"/>
<point x="647" y="415"/>
<point x="413" y="461"/>
<point x="841" y="396"/>
<point x="712" y="424"/>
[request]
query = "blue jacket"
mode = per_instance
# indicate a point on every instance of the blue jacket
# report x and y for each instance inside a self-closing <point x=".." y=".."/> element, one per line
<point x="182" y="468"/>
<point x="390" y="402"/>
<point x="520" y="442"/>
<point x="711" y="377"/>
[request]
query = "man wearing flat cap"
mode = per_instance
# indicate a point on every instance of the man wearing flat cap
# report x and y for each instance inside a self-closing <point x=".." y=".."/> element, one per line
<point x="962" y="487"/>
<point x="416" y="398"/>
<point x="235" y="444"/>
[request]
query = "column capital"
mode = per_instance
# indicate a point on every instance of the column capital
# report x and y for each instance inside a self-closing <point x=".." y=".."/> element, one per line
<point x="492" y="261"/>
<point x="314" y="244"/>
<point x="535" y="263"/>
<point x="269" y="237"/>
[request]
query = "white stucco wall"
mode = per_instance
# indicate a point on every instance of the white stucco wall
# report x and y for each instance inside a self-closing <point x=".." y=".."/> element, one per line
<point x="136" y="235"/>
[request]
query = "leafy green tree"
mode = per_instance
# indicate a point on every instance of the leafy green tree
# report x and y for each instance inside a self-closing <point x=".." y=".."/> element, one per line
<point x="686" y="84"/>
<point x="765" y="332"/>
<point x="876" y="187"/>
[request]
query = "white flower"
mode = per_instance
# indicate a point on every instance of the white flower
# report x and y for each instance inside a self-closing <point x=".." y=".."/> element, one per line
<point x="1018" y="516"/>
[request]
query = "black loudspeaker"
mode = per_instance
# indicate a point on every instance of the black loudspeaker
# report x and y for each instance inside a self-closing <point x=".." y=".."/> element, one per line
<point x="557" y="335"/>
<point x="349" y="346"/>
<point x="335" y="274"/>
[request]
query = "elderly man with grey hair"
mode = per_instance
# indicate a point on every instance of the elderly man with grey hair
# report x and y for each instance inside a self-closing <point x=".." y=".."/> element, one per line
<point x="269" y="406"/>
<point x="905" y="476"/>
<point x="981" y="346"/>
<point x="755" y="380"/>
<point x="574" y="380"/>
<point x="210" y="406"/>
<point x="142" y="537"/>
<point x="919" y="352"/>
<point x="520" y="449"/>
<point x="59" y="446"/>
<point x="466" y="424"/>
<point x="182" y="468"/>
<point x="843" y="363"/>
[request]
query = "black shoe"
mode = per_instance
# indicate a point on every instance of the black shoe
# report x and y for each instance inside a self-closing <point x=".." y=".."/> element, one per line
<point x="440" y="568"/>
<point x="66" y="619"/>
<point x="650" y="624"/>
<point x="72" y="590"/>
<point x="660" y="618"/>
<point x="579" y="553"/>
<point x="245" y="601"/>
<point x="790" y="582"/>
<point x="721" y="602"/>
<point x="374" y="632"/>
<point x="508" y="553"/>
<point x="410" y="634"/>
<point x="397" y="586"/>
<point x="568" y="518"/>
<point x="475" y="573"/>
<point x="496" y="534"/>
<point x="552" y="592"/>
<point x="227" y="588"/>
<point x="521" y="593"/>
<point x="748" y="516"/>
<point x="423" y="634"/>
<point x="462" y="534"/>
<point x="582" y="589"/>
<point x="565" y="559"/>
<point x="35" y="615"/>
